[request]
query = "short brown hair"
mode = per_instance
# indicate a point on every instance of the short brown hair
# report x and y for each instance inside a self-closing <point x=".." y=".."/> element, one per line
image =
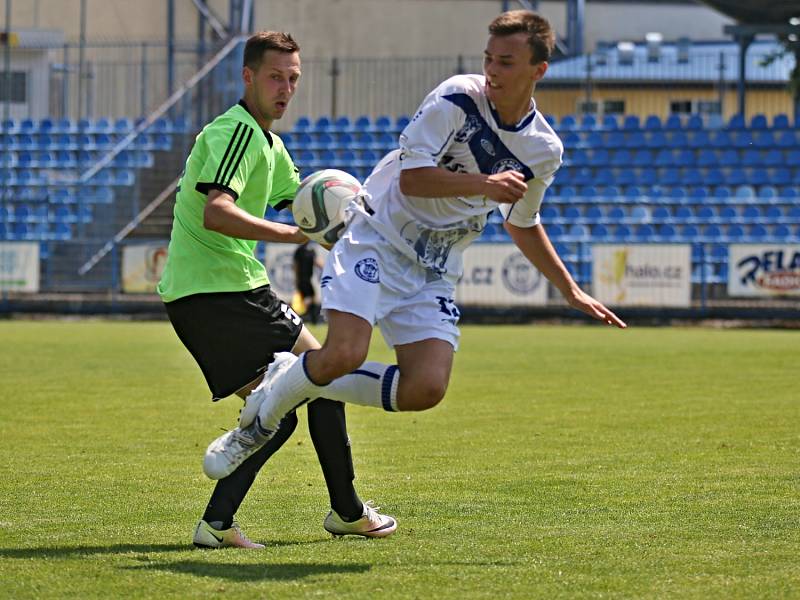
<point x="267" y="40"/>
<point x="541" y="37"/>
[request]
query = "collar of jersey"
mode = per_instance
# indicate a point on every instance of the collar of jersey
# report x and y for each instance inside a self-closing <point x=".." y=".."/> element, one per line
<point x="266" y="133"/>
<point x="526" y="120"/>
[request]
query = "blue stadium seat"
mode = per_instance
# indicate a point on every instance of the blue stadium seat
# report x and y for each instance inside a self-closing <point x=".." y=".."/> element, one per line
<point x="707" y="158"/>
<point x="693" y="177"/>
<point x="633" y="193"/>
<point x="780" y="121"/>
<point x="684" y="214"/>
<point x="567" y="193"/>
<point x="599" y="157"/>
<point x="758" y="121"/>
<point x="782" y="232"/>
<point x="643" y="158"/>
<point x="700" y="139"/>
<point x="652" y="123"/>
<point x="342" y="124"/>
<point x="656" y="140"/>
<point x="609" y="122"/>
<point x="382" y="123"/>
<point x="735" y="233"/>
<point x="728" y="214"/>
<point x="773" y="213"/>
<point x="745" y="193"/>
<point x="568" y="123"/>
<point x="767" y="193"/>
<point x="721" y="139"/>
<point x="789" y="192"/>
<point x="583" y="176"/>
<point x="631" y="123"/>
<point x="722" y="192"/>
<point x="61" y="231"/>
<point x="302" y="140"/>
<point x="729" y="158"/>
<point x="362" y="123"/>
<point x="694" y="122"/>
<point x="712" y="233"/>
<point x="752" y="213"/>
<point x="636" y="139"/>
<point x="622" y="233"/>
<point x="787" y="139"/>
<point x="661" y="214"/>
<point x="666" y="232"/>
<point x="678" y="139"/>
<point x="644" y="233"/>
<point x="599" y="232"/>
<point x="773" y="158"/>
<point x="707" y="214"/>
<point x="670" y="176"/>
<point x="302" y="124"/>
<point x="640" y="214"/>
<point x="322" y="141"/>
<point x="673" y="123"/>
<point x="588" y="122"/>
<point x="587" y="193"/>
<point x="322" y="124"/>
<point x="550" y="213"/>
<point x="742" y="139"/>
<point x="689" y="232"/>
<point x="604" y="176"/>
<point x="665" y="158"/>
<point x="614" y="139"/>
<point x="401" y="123"/>
<point x="736" y="122"/>
<point x="594" y="214"/>
<point x="763" y="139"/>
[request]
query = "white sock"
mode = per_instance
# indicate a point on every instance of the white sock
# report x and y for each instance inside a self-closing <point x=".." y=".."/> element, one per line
<point x="372" y="384"/>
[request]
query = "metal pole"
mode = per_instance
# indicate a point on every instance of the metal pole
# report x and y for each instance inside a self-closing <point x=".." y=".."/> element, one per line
<point x="334" y="84"/>
<point x="65" y="84"/>
<point x="7" y="63"/>
<point x="81" y="58"/>
<point x="170" y="46"/>
<point x="143" y="84"/>
<point x="744" y="43"/>
<point x="722" y="84"/>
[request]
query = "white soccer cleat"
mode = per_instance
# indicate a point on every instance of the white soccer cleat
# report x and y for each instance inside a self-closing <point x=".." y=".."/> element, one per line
<point x="225" y="454"/>
<point x="371" y="524"/>
<point x="282" y="361"/>
<point x="206" y="536"/>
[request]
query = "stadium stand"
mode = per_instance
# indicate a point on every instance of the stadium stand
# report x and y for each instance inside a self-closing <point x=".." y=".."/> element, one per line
<point x="681" y="179"/>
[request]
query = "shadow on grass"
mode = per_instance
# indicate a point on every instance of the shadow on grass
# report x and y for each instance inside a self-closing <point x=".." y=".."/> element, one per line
<point x="256" y="572"/>
<point x="73" y="551"/>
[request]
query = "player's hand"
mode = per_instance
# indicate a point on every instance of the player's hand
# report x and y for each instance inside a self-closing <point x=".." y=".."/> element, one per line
<point x="585" y="303"/>
<point x="506" y="187"/>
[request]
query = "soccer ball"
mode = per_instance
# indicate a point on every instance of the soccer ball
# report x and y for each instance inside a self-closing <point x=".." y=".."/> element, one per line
<point x="320" y="202"/>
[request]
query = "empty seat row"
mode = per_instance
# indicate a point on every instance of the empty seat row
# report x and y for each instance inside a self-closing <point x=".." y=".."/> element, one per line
<point x="683" y="158"/>
<point x="81" y="141"/>
<point x="617" y="214"/>
<point x="26" y="178"/>
<point x="102" y="125"/>
<point x="344" y="124"/>
<point x="675" y="176"/>
<point x="68" y="159"/>
<point x="43" y="213"/>
<point x="658" y="194"/>
<point x="699" y="139"/>
<point x="673" y="122"/>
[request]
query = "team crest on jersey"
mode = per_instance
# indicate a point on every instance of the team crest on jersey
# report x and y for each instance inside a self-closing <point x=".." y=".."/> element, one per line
<point x="507" y="164"/>
<point x="471" y="126"/>
<point x="488" y="147"/>
<point x="367" y="269"/>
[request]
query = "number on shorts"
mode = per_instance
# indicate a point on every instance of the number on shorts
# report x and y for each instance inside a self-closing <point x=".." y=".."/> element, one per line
<point x="290" y="314"/>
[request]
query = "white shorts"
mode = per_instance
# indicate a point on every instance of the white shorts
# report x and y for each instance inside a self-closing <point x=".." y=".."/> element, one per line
<point x="366" y="276"/>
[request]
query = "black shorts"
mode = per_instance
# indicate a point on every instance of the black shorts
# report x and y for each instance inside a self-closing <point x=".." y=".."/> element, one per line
<point x="233" y="335"/>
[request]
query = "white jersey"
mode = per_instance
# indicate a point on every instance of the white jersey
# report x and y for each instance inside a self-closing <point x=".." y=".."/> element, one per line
<point x="458" y="129"/>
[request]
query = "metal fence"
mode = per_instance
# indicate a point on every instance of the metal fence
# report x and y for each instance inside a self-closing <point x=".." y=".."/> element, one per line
<point x="97" y="174"/>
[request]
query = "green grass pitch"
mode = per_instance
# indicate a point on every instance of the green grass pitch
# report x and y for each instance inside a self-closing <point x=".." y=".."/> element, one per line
<point x="565" y="462"/>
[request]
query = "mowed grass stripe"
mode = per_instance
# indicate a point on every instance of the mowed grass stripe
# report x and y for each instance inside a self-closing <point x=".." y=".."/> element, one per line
<point x="572" y="462"/>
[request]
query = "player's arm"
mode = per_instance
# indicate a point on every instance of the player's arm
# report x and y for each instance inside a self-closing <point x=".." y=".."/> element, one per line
<point x="535" y="245"/>
<point x="223" y="216"/>
<point x="435" y="182"/>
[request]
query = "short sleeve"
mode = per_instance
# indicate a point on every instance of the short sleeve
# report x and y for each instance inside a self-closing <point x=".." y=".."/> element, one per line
<point x="426" y="138"/>
<point x="525" y="212"/>
<point x="231" y="156"/>
<point x="286" y="179"/>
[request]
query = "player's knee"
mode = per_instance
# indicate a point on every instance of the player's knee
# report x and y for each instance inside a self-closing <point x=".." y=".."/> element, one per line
<point x="343" y="359"/>
<point x="427" y="394"/>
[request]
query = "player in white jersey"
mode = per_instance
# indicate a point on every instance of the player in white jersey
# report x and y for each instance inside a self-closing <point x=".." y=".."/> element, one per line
<point x="476" y="143"/>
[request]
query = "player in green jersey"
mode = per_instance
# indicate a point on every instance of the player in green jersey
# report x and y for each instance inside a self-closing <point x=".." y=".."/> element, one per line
<point x="217" y="293"/>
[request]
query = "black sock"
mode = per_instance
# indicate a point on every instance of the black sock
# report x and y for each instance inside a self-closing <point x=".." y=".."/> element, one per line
<point x="328" y="429"/>
<point x="230" y="491"/>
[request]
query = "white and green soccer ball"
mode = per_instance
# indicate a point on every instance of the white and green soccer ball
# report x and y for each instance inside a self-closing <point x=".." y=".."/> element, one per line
<point x="320" y="203"/>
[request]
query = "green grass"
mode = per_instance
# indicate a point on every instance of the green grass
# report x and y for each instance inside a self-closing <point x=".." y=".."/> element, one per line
<point x="566" y="462"/>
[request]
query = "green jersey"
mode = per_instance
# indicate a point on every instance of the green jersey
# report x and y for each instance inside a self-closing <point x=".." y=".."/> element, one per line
<point x="235" y="155"/>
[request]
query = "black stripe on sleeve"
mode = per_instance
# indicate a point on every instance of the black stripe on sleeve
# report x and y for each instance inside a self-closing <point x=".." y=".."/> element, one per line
<point x="247" y="139"/>
<point x="220" y="169"/>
